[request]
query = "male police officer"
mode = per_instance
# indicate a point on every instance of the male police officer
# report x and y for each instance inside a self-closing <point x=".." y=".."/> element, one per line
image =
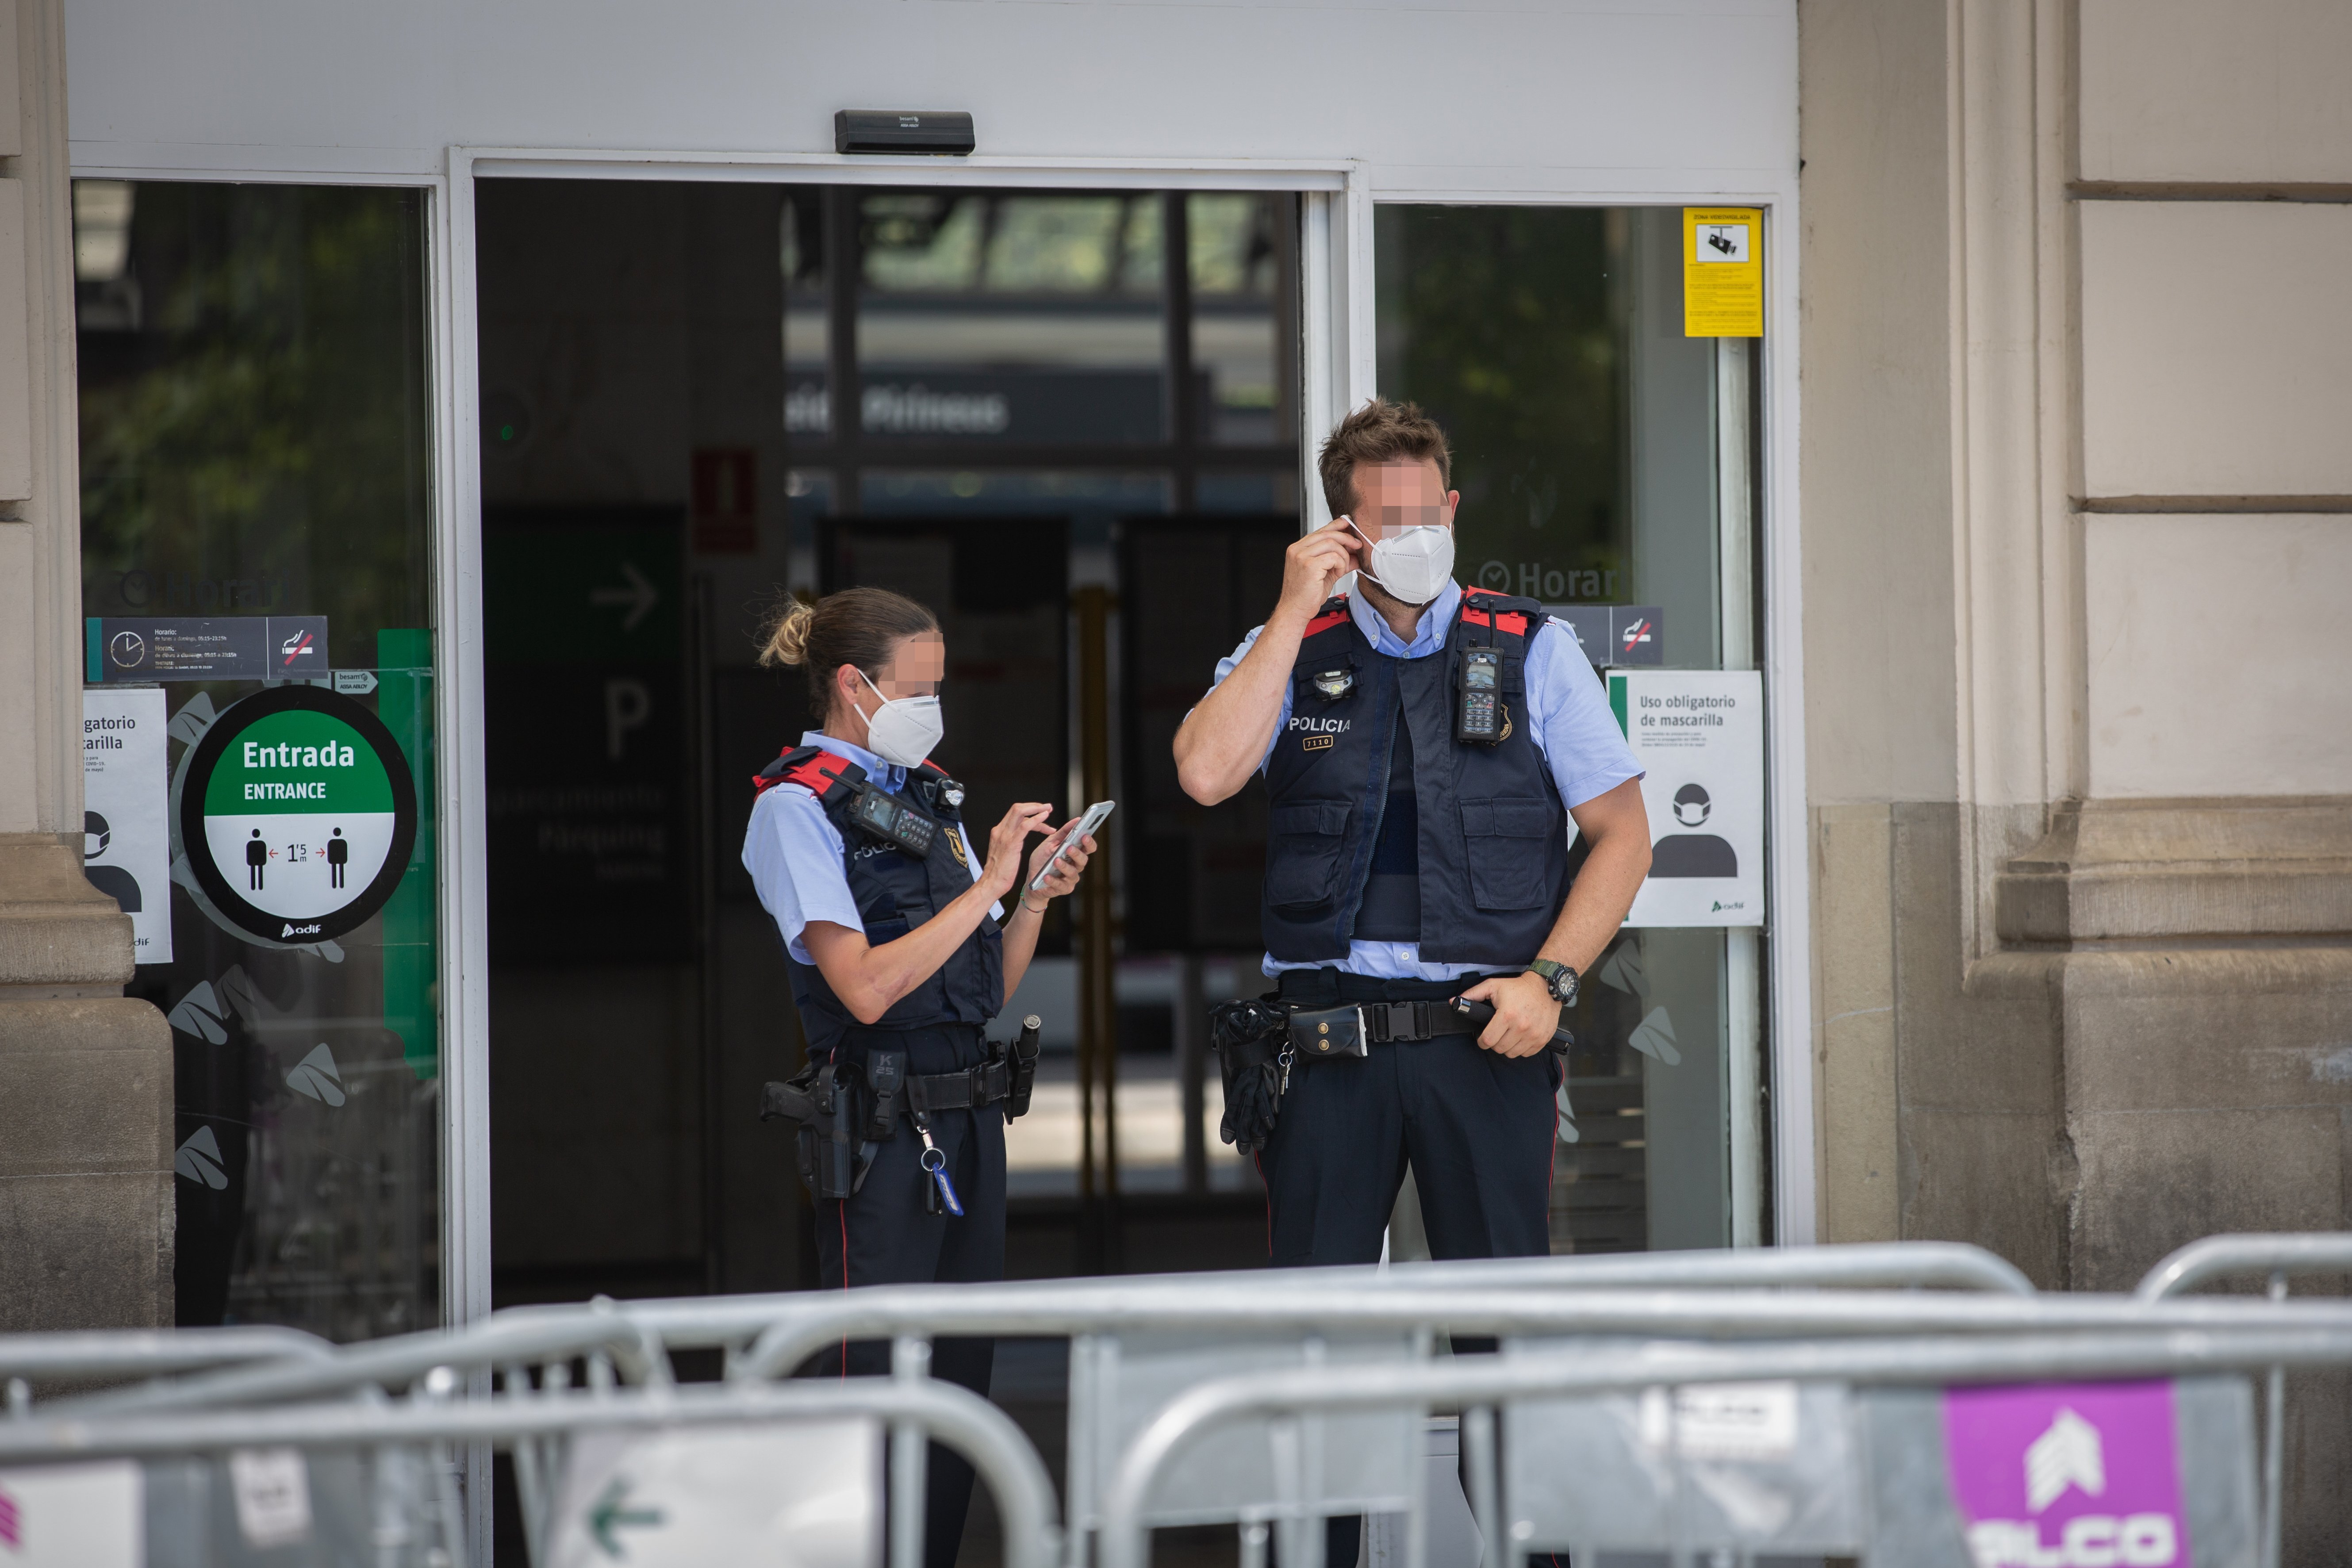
<point x="1425" y="749"/>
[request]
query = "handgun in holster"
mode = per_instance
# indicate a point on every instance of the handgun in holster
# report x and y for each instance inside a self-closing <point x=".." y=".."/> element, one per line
<point x="835" y="1144"/>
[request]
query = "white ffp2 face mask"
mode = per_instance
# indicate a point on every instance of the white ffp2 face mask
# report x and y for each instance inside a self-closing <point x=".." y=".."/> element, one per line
<point x="904" y="730"/>
<point x="1414" y="563"/>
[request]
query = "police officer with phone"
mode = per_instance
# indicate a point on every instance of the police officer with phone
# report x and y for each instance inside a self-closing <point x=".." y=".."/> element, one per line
<point x="901" y="949"/>
<point x="1425" y="750"/>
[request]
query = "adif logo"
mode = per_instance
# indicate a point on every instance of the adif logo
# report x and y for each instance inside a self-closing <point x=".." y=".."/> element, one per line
<point x="199" y="1160"/>
<point x="292" y="929"/>
<point x="200" y="1012"/>
<point x="1321" y="726"/>
<point x="2068" y="1455"/>
<point x="2071" y="1455"/>
<point x="315" y="1075"/>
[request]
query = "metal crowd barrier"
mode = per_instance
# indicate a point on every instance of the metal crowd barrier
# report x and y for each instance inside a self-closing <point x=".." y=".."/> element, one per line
<point x="633" y="1336"/>
<point x="1141" y="1346"/>
<point x="650" y="1476"/>
<point x="1138" y="1342"/>
<point x="108" y="1355"/>
<point x="1905" y="1452"/>
<point x="2280" y="1257"/>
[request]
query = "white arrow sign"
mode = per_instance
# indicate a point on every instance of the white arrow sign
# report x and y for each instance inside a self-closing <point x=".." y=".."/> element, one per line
<point x="2069" y="1454"/>
<point x="640" y="596"/>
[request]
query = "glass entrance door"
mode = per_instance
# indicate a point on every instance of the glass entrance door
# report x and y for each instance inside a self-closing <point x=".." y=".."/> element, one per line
<point x="260" y="759"/>
<point x="1602" y="457"/>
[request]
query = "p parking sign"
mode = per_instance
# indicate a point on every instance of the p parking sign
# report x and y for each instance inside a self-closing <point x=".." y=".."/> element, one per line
<point x="298" y="815"/>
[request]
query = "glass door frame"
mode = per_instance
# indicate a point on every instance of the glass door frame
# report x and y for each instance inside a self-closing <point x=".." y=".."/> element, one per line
<point x="1338" y="369"/>
<point x="1338" y="362"/>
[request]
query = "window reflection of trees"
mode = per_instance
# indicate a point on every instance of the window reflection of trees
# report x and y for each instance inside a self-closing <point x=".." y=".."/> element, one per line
<point x="254" y="433"/>
<point x="1509" y="325"/>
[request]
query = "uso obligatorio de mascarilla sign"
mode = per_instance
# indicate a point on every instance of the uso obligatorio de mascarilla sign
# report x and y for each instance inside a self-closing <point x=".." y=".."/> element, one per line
<point x="298" y="815"/>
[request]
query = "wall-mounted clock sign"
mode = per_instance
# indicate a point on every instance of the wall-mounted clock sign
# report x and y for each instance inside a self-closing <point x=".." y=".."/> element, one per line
<point x="297" y="814"/>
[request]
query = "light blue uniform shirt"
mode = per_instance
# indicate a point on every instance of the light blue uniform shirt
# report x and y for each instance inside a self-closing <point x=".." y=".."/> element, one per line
<point x="793" y="850"/>
<point x="1569" y="717"/>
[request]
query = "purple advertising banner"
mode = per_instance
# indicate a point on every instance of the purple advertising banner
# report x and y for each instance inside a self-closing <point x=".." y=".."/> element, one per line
<point x="2067" y="1475"/>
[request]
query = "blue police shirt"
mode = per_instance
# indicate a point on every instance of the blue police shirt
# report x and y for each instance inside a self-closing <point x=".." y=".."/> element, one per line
<point x="1572" y="727"/>
<point x="793" y="850"/>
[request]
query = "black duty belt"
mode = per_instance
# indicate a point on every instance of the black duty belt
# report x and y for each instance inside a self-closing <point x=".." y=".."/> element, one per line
<point x="966" y="1090"/>
<point x="1345" y="1030"/>
<point x="846" y="1110"/>
<point x="1349" y="1030"/>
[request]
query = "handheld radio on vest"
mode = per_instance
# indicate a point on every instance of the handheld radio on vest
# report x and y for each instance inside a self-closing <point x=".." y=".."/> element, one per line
<point x="893" y="820"/>
<point x="1478" y="707"/>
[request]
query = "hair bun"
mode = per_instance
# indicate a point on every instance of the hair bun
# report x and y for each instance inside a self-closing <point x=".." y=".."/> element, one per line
<point x="788" y="638"/>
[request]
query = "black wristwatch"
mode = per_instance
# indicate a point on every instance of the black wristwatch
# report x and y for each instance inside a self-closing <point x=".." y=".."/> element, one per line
<point x="1559" y="977"/>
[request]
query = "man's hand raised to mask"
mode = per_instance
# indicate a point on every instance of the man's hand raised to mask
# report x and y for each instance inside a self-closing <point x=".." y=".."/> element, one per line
<point x="1312" y="564"/>
<point x="1223" y="740"/>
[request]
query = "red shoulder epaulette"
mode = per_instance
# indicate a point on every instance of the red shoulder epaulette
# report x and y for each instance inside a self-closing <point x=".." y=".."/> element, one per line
<point x="1333" y="612"/>
<point x="1511" y="621"/>
<point x="817" y="770"/>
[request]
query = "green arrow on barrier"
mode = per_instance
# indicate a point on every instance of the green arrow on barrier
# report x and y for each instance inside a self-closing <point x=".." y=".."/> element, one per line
<point x="609" y="1515"/>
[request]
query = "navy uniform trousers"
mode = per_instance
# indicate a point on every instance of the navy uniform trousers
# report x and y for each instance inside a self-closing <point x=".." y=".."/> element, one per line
<point x="884" y="1235"/>
<point x="1478" y="1129"/>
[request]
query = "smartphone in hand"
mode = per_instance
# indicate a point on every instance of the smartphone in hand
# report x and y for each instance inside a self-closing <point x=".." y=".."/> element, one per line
<point x="1093" y="819"/>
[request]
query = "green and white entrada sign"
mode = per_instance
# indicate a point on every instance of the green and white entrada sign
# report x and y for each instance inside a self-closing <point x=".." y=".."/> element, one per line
<point x="297" y="814"/>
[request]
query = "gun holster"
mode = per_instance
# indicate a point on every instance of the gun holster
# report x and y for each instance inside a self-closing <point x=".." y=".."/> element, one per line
<point x="840" y="1116"/>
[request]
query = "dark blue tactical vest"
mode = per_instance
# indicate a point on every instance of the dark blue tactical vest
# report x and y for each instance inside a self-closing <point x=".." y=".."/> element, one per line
<point x="894" y="892"/>
<point x="1385" y="827"/>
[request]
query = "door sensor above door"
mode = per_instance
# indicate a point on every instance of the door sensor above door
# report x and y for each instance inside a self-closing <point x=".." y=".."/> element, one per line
<point x="943" y="132"/>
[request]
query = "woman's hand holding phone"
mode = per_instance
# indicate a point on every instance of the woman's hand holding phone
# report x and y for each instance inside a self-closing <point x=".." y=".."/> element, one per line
<point x="1056" y="865"/>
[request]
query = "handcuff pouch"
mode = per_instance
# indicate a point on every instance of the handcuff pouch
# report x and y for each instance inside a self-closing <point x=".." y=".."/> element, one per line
<point x="1327" y="1032"/>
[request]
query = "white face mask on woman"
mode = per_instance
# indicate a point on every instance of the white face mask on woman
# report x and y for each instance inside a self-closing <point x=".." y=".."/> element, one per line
<point x="904" y="730"/>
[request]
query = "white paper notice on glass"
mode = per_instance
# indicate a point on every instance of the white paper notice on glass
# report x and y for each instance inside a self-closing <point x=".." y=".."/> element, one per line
<point x="1699" y="735"/>
<point x="126" y="810"/>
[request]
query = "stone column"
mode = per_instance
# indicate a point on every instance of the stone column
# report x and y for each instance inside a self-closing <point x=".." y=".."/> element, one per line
<point x="86" y="1199"/>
